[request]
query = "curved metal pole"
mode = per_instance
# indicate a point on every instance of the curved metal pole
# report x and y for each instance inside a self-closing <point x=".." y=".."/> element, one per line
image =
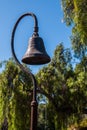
<point x="34" y="102"/>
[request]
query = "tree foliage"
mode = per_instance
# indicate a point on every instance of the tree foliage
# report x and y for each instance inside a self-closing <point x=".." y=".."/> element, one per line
<point x="15" y="97"/>
<point x="64" y="86"/>
<point x="75" y="15"/>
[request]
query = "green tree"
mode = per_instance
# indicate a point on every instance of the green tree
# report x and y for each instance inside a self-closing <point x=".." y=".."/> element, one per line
<point x="65" y="87"/>
<point x="52" y="81"/>
<point x="16" y="94"/>
<point x="75" y="15"/>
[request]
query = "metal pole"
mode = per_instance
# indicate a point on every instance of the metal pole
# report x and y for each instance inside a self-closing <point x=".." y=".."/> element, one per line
<point x="34" y="104"/>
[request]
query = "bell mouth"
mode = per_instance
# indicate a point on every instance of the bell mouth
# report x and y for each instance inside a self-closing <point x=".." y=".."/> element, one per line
<point x="36" y="59"/>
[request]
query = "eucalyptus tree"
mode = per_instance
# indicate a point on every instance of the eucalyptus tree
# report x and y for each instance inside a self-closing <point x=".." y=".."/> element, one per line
<point x="76" y="16"/>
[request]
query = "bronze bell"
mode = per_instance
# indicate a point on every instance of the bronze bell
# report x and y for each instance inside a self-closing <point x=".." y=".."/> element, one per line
<point x="36" y="53"/>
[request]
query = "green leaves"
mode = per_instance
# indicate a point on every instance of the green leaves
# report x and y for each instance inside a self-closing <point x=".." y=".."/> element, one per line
<point x="68" y="7"/>
<point x="64" y="85"/>
<point x="15" y="97"/>
<point x="75" y="14"/>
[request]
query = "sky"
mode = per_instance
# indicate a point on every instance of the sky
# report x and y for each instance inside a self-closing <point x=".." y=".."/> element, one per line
<point x="51" y="28"/>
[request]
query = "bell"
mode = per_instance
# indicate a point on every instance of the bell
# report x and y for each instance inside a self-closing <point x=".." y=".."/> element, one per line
<point x="36" y="53"/>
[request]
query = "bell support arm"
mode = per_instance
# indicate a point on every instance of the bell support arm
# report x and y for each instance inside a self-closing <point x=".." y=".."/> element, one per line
<point x="13" y="51"/>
